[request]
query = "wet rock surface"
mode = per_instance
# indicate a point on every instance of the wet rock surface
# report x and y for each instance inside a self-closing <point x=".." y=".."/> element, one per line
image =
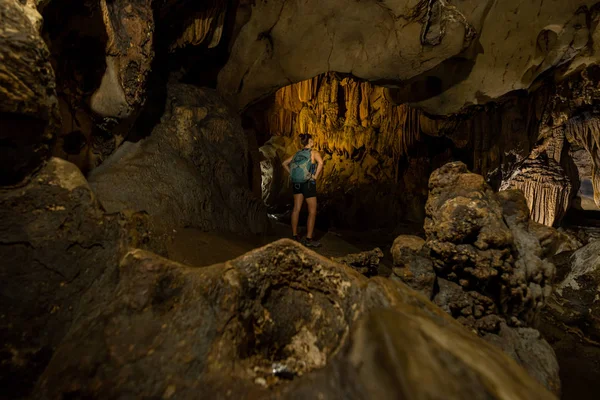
<point x="192" y="171"/>
<point x="55" y="242"/>
<point x="242" y="329"/>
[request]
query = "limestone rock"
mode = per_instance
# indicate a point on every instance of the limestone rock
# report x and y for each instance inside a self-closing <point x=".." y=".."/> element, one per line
<point x="545" y="186"/>
<point x="161" y="329"/>
<point x="554" y="241"/>
<point x="192" y="170"/>
<point x="480" y="240"/>
<point x="366" y="262"/>
<point x="532" y="352"/>
<point x="472" y="309"/>
<point x="28" y="105"/>
<point x="129" y="53"/>
<point x="55" y="242"/>
<point x="437" y="54"/>
<point x="571" y="322"/>
<point x="575" y="299"/>
<point x="585" y="131"/>
<point x="411" y="266"/>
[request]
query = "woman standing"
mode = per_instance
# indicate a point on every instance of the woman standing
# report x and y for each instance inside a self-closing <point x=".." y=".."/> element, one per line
<point x="301" y="167"/>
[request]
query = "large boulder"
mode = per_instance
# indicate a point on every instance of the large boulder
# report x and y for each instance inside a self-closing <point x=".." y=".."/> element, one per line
<point x="482" y="264"/>
<point x="28" y="106"/>
<point x="571" y="322"/>
<point x="55" y="242"/>
<point x="243" y="329"/>
<point x="481" y="241"/>
<point x="191" y="172"/>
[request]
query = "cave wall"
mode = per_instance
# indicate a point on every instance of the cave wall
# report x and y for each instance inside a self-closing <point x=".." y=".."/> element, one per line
<point x="112" y="60"/>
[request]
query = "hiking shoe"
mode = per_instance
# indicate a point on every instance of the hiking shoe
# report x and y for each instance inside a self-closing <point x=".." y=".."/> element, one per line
<point x="296" y="238"/>
<point x="311" y="242"/>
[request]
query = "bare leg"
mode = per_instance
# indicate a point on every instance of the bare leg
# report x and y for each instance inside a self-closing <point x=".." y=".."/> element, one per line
<point x="312" y="216"/>
<point x="296" y="212"/>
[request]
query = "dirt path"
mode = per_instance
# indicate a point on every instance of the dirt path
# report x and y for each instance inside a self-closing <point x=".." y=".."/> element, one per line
<point x="197" y="248"/>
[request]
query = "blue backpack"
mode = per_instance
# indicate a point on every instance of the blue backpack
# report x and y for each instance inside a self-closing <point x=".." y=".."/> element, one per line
<point x="301" y="166"/>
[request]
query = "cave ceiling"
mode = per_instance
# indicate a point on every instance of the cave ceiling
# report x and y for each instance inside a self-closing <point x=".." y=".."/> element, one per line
<point x="440" y="55"/>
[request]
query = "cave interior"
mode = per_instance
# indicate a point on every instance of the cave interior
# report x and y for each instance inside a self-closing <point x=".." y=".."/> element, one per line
<point x="146" y="238"/>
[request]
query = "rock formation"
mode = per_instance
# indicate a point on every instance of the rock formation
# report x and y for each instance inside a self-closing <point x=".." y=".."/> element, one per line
<point x="445" y="48"/>
<point x="571" y="321"/>
<point x="192" y="171"/>
<point x="480" y="240"/>
<point x="481" y="263"/>
<point x="546" y="188"/>
<point x="55" y="242"/>
<point x="244" y="328"/>
<point x="366" y="262"/>
<point x="412" y="266"/>
<point x="28" y="106"/>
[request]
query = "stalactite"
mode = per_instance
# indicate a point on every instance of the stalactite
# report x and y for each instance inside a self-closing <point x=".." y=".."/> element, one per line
<point x="546" y="187"/>
<point x="343" y="121"/>
<point x="585" y="130"/>
<point x="206" y="28"/>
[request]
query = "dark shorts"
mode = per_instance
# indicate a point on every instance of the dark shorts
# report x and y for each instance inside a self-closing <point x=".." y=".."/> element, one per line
<point x="308" y="189"/>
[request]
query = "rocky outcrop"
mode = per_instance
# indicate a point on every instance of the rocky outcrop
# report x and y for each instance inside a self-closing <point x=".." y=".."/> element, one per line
<point x="55" y="242"/>
<point x="366" y="262"/>
<point x="436" y="53"/>
<point x="28" y="106"/>
<point x="411" y="264"/>
<point x="480" y="240"/>
<point x="546" y="188"/>
<point x="246" y="327"/>
<point x="481" y="263"/>
<point x="571" y="321"/>
<point x="191" y="172"/>
<point x="532" y="352"/>
<point x="129" y="53"/>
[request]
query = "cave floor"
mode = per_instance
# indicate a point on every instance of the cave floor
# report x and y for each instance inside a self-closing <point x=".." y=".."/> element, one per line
<point x="198" y="248"/>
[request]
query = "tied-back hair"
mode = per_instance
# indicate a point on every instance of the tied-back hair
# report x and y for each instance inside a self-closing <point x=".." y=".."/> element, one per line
<point x="305" y="138"/>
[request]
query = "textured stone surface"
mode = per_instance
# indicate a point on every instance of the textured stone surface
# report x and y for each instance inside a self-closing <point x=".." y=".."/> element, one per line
<point x="457" y="54"/>
<point x="28" y="105"/>
<point x="571" y="322"/>
<point x="157" y="328"/>
<point x="54" y="243"/>
<point x="270" y="51"/>
<point x="192" y="171"/>
<point x="480" y="240"/>
<point x="532" y="352"/>
<point x="129" y="53"/>
<point x="411" y="264"/>
<point x="546" y="188"/>
<point x="366" y="262"/>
